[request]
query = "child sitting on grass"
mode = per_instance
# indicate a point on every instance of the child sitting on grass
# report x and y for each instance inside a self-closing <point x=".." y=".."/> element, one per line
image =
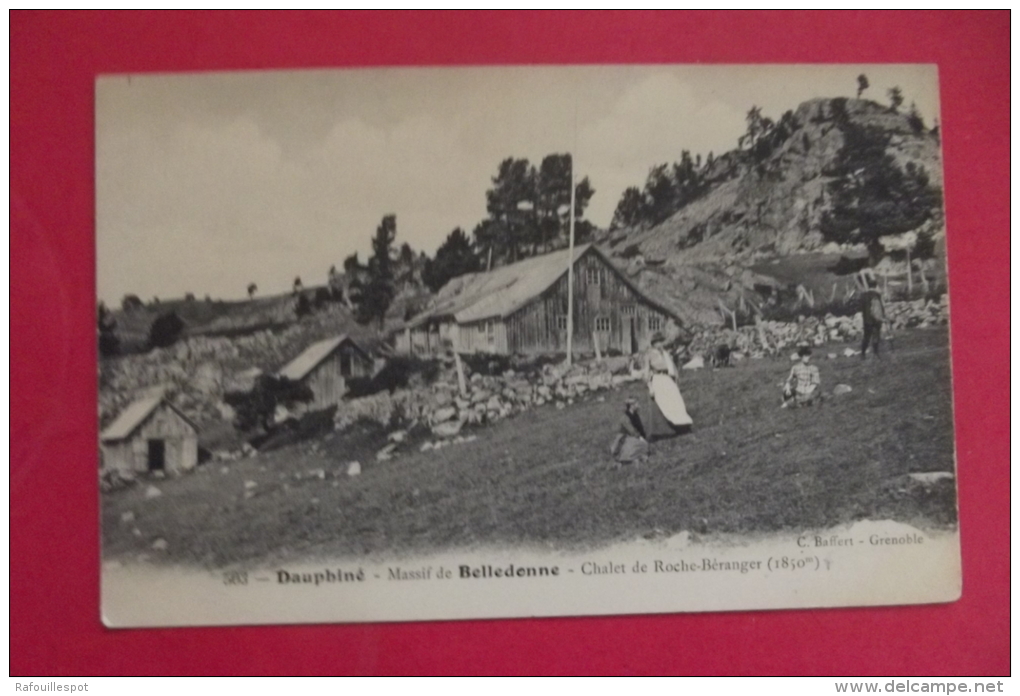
<point x="802" y="386"/>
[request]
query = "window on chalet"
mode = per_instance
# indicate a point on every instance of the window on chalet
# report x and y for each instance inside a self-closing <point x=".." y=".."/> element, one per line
<point x="628" y="310"/>
<point x="561" y="322"/>
<point x="602" y="324"/>
<point x="654" y="323"/>
<point x="490" y="330"/>
<point x="594" y="276"/>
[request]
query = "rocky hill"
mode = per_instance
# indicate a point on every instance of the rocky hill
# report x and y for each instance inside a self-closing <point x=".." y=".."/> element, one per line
<point x="762" y="204"/>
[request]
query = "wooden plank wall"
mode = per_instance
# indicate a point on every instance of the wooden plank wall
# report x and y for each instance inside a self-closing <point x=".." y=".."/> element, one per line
<point x="598" y="292"/>
<point x="164" y="424"/>
<point x="328" y="380"/>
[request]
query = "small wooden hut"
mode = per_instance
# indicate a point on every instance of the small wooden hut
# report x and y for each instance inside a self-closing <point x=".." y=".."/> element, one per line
<point x="150" y="435"/>
<point x="325" y="367"/>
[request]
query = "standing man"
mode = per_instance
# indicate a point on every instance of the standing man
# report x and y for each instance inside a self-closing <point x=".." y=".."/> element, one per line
<point x="873" y="313"/>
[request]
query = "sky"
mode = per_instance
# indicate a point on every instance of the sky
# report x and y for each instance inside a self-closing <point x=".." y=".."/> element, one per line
<point x="208" y="182"/>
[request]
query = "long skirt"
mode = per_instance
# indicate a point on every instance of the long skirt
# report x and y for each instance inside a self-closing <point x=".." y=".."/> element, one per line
<point x="667" y="412"/>
<point x="627" y="448"/>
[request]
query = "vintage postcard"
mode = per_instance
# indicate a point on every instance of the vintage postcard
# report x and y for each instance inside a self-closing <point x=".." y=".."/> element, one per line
<point x="417" y="344"/>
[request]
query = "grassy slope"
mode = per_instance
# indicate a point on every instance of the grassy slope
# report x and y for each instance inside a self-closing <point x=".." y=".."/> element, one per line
<point x="545" y="477"/>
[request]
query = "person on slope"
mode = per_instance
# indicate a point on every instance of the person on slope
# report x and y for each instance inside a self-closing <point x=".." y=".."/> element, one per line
<point x="666" y="409"/>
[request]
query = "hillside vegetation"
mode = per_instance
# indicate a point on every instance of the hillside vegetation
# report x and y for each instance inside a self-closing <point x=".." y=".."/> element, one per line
<point x="780" y="195"/>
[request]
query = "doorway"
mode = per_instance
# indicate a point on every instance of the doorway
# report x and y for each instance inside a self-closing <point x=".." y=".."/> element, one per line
<point x="157" y="455"/>
<point x="630" y="343"/>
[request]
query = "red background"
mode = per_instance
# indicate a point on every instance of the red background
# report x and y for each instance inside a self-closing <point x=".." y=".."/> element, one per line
<point x="54" y="619"/>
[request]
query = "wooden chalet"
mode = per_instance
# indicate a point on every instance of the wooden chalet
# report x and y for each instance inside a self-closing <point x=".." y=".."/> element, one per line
<point x="521" y="308"/>
<point x="325" y="367"/>
<point x="150" y="435"/>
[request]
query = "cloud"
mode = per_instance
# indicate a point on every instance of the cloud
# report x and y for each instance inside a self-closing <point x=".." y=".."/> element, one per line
<point x="652" y="122"/>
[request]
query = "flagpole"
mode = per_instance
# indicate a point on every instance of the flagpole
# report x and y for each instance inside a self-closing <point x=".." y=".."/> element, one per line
<point x="570" y="273"/>
<point x="570" y="260"/>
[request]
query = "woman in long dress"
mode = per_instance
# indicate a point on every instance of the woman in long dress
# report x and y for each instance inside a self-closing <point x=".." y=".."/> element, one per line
<point x="666" y="409"/>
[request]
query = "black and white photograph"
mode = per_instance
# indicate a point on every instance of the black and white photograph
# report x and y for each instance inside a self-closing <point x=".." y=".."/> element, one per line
<point x="447" y="343"/>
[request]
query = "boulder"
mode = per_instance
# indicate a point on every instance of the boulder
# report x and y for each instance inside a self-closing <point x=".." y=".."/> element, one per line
<point x="160" y="545"/>
<point x="443" y="414"/>
<point x="152" y="492"/>
<point x="842" y="389"/>
<point x="354" y="469"/>
<point x="447" y="429"/>
<point x="397" y="436"/>
<point x="386" y="453"/>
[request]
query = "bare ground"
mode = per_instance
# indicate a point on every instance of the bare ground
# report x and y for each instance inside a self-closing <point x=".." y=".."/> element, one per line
<point x="545" y="478"/>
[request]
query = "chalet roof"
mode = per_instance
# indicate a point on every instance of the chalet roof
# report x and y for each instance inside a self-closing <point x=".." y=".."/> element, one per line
<point x="131" y="418"/>
<point x="298" y="368"/>
<point x="502" y="291"/>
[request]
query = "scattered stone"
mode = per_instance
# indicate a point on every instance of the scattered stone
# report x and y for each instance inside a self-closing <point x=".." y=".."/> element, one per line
<point x="426" y="446"/>
<point x="136" y="531"/>
<point x="560" y="405"/>
<point x="159" y="474"/>
<point x="386" y="453"/>
<point x="127" y="517"/>
<point x="695" y="363"/>
<point x="354" y="469"/>
<point x="160" y="545"/>
<point x="850" y="352"/>
<point x="152" y="492"/>
<point x="832" y="356"/>
<point x="443" y="414"/>
<point x="842" y="389"/>
<point x="317" y="473"/>
<point x="930" y="477"/>
<point x="249" y="485"/>
<point x="397" y="436"/>
<point x="225" y="470"/>
<point x="448" y="429"/>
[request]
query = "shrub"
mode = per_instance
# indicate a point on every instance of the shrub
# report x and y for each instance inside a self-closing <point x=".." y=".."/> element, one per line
<point x="255" y="408"/>
<point x="630" y="251"/>
<point x="165" y="331"/>
<point x="400" y="370"/>
<point x="488" y="364"/>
